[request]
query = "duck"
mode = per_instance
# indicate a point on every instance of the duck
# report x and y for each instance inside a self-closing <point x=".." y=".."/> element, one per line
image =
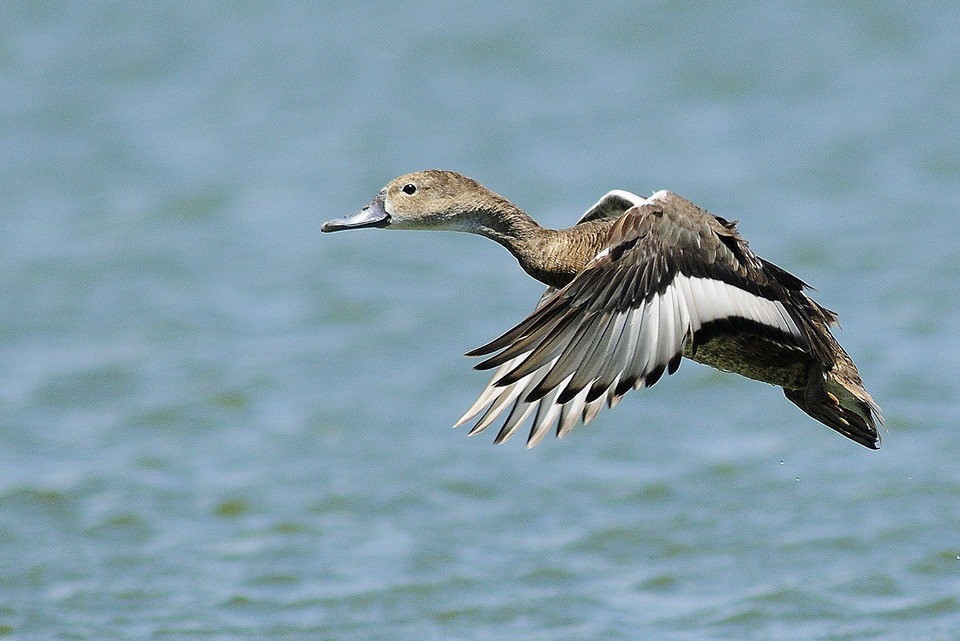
<point x="634" y="287"/>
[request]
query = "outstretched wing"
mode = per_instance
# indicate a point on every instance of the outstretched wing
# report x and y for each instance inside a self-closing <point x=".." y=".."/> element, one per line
<point x="669" y="274"/>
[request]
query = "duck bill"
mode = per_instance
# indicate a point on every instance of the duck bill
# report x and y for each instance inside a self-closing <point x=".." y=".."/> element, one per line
<point x="373" y="215"/>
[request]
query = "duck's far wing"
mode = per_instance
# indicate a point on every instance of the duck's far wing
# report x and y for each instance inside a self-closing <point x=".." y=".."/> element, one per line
<point x="669" y="271"/>
<point x="613" y="205"/>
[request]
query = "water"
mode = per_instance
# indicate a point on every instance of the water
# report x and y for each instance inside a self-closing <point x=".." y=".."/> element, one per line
<point x="215" y="423"/>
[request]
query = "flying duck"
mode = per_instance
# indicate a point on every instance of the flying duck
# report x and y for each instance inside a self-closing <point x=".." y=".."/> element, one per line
<point x="636" y="285"/>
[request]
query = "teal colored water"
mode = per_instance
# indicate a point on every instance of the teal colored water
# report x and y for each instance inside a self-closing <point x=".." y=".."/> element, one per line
<point x="217" y="424"/>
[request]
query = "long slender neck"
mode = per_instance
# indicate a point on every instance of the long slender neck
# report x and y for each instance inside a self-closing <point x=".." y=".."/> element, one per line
<point x="551" y="256"/>
<point x="507" y="224"/>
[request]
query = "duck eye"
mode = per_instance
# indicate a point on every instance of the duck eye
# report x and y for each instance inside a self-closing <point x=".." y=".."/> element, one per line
<point x="409" y="188"/>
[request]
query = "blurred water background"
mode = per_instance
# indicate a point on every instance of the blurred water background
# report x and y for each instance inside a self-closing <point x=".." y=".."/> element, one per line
<point x="217" y="424"/>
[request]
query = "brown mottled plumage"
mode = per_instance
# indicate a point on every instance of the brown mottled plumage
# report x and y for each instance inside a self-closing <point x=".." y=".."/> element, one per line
<point x="634" y="286"/>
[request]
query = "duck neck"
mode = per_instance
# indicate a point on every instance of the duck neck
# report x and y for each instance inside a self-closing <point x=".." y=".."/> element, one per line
<point x="543" y="253"/>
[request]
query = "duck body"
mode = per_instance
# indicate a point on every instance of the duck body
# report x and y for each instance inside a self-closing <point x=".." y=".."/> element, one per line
<point x="636" y="285"/>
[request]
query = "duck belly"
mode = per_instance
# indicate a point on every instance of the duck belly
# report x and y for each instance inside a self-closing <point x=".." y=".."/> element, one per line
<point x="754" y="356"/>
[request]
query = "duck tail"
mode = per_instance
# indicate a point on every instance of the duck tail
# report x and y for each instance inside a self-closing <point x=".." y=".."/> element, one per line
<point x="838" y="399"/>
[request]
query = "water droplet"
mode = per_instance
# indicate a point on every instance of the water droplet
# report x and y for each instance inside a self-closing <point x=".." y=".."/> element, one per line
<point x="781" y="462"/>
<point x="798" y="479"/>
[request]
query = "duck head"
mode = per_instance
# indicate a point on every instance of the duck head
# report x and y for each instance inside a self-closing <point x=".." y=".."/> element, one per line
<point x="431" y="199"/>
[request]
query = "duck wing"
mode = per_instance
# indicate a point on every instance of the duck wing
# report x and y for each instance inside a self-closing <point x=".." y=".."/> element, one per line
<point x="670" y="275"/>
<point x="613" y="205"/>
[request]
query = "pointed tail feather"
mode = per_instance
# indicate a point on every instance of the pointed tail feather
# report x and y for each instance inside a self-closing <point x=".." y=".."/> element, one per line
<point x="840" y="404"/>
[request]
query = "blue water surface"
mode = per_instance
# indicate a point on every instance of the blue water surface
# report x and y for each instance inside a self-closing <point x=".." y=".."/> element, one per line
<point x="217" y="424"/>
